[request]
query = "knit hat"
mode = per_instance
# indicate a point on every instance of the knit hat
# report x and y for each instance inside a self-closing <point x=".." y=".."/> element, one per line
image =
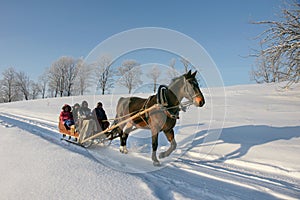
<point x="66" y="106"/>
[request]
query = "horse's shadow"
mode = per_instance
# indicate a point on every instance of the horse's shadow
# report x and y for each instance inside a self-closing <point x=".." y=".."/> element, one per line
<point x="247" y="137"/>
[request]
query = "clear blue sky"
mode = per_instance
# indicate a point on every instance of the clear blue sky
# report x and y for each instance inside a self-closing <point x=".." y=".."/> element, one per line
<point x="33" y="34"/>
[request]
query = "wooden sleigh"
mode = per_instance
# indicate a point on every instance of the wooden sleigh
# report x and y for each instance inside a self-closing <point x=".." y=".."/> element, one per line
<point x="62" y="129"/>
<point x="73" y="137"/>
<point x="104" y="137"/>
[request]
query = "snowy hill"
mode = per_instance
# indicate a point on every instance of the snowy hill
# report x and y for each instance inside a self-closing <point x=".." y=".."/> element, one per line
<point x="256" y="156"/>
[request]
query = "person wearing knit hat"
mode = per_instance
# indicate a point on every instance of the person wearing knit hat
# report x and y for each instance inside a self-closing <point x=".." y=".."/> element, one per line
<point x="66" y="117"/>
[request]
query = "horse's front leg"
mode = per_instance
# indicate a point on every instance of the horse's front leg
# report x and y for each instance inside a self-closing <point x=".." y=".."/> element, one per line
<point x="170" y="136"/>
<point x="154" y="149"/>
<point x="123" y="139"/>
<point x="124" y="136"/>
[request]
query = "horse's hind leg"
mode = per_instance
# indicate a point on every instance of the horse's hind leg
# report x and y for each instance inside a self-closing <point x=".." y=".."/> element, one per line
<point x="154" y="148"/>
<point x="170" y="136"/>
<point x="123" y="140"/>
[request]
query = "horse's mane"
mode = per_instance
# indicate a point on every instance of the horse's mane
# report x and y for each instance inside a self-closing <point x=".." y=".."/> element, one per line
<point x="175" y="79"/>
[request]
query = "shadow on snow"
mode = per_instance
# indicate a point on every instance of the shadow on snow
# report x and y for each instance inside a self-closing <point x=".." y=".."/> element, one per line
<point x="170" y="180"/>
<point x="249" y="136"/>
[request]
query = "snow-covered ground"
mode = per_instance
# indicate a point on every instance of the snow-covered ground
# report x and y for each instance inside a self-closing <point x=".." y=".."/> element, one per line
<point x="255" y="157"/>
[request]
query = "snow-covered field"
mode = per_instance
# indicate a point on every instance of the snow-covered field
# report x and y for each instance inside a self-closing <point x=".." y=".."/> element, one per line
<point x="255" y="157"/>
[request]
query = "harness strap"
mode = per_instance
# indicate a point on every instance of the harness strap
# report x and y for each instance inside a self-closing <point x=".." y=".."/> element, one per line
<point x="163" y="102"/>
<point x="161" y="95"/>
<point x="173" y="116"/>
<point x="146" y="114"/>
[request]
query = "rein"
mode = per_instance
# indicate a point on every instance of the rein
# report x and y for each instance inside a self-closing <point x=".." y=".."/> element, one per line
<point x="182" y="106"/>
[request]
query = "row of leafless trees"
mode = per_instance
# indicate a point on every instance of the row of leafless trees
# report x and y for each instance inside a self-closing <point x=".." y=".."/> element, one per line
<point x="279" y="57"/>
<point x="17" y="85"/>
<point x="70" y="76"/>
<point x="58" y="80"/>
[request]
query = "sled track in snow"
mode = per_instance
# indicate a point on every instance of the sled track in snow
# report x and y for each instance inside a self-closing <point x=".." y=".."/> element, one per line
<point x="211" y="178"/>
<point x="44" y="129"/>
<point x="183" y="178"/>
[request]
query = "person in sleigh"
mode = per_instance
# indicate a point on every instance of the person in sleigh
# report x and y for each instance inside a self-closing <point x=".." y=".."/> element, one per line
<point x="86" y="124"/>
<point x="66" y="118"/>
<point x="100" y="115"/>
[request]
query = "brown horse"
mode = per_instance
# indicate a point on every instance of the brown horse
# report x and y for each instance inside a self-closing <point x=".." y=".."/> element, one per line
<point x="162" y="118"/>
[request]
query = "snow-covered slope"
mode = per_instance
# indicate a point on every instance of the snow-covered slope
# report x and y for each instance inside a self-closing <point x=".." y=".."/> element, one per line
<point x="255" y="157"/>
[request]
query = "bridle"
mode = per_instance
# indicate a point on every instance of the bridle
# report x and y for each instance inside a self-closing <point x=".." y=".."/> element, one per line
<point x="187" y="89"/>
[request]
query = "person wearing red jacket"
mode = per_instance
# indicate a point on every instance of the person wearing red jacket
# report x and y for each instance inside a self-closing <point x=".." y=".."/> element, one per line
<point x="66" y="117"/>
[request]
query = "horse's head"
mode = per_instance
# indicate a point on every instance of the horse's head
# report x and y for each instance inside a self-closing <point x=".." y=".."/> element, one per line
<point x="191" y="89"/>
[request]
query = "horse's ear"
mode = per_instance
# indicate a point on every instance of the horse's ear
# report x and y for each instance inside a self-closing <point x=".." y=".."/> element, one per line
<point x="194" y="74"/>
<point x="188" y="74"/>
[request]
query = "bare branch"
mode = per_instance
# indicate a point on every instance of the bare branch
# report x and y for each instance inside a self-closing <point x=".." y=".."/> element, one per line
<point x="280" y="49"/>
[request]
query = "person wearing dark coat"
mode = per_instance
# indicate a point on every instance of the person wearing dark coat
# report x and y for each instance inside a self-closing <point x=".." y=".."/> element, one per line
<point x="100" y="115"/>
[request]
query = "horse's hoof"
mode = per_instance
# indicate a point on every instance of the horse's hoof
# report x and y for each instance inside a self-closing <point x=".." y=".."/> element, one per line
<point x="162" y="155"/>
<point x="123" y="149"/>
<point x="124" y="152"/>
<point x="156" y="164"/>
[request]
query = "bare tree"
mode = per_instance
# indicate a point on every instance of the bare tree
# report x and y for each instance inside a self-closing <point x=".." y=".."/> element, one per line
<point x="83" y="77"/>
<point x="54" y="78"/>
<point x="35" y="90"/>
<point x="185" y="63"/>
<point x="104" y="73"/>
<point x="267" y="71"/>
<point x="56" y="75"/>
<point x="280" y="52"/>
<point x="62" y="75"/>
<point x="42" y="82"/>
<point x="130" y="73"/>
<point x="23" y="83"/>
<point x="8" y="86"/>
<point x="172" y="73"/>
<point x="154" y="74"/>
<point x="72" y="70"/>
